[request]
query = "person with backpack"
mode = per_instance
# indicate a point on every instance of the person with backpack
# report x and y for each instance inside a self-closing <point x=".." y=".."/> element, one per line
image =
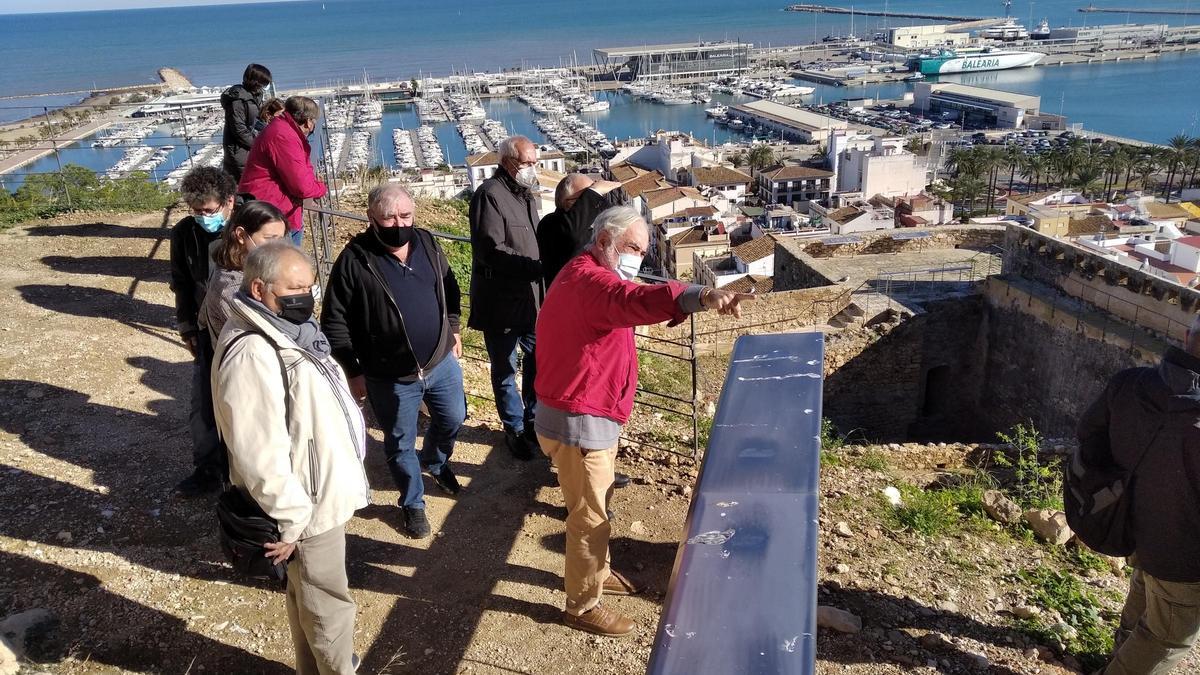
<point x="296" y="440"/>
<point x="1139" y="448"/>
<point x="242" y="104"/>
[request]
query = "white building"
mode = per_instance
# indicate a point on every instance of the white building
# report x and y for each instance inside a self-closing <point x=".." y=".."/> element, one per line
<point x="786" y="121"/>
<point x="920" y="37"/>
<point x="729" y="183"/>
<point x="670" y="153"/>
<point x="866" y="166"/>
<point x="976" y="105"/>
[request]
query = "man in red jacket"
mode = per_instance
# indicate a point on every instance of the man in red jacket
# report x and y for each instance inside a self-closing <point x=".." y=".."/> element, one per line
<point x="586" y="379"/>
<point x="278" y="169"/>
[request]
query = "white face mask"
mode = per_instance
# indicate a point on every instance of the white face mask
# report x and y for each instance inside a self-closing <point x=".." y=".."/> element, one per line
<point x="628" y="266"/>
<point x="527" y="177"/>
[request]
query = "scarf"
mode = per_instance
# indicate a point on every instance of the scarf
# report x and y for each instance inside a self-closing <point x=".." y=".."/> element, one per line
<point x="307" y="335"/>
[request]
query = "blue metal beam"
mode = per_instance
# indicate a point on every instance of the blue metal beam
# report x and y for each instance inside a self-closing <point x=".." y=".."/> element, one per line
<point x="743" y="593"/>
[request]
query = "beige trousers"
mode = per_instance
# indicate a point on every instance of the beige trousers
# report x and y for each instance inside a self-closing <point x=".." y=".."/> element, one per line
<point x="1159" y="624"/>
<point x="586" y="479"/>
<point x="320" y="609"/>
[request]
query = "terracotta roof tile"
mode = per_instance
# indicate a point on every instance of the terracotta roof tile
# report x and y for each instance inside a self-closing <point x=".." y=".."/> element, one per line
<point x="644" y="183"/>
<point x="719" y="175"/>
<point x="751" y="283"/>
<point x="795" y="172"/>
<point x="755" y="249"/>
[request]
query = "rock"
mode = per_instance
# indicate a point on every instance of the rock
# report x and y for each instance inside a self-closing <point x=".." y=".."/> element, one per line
<point x="841" y="568"/>
<point x="892" y="495"/>
<point x="1117" y="565"/>
<point x="838" y="619"/>
<point x="64" y="536"/>
<point x="12" y="637"/>
<point x="1049" y="525"/>
<point x="842" y="528"/>
<point x="1026" y="611"/>
<point x="948" y="606"/>
<point x="979" y="661"/>
<point x="935" y="640"/>
<point x="1001" y="508"/>
<point x="637" y="527"/>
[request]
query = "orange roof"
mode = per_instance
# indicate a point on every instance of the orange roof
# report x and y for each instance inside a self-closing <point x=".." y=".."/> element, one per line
<point x="794" y="172"/>
<point x="755" y="249"/>
<point x="751" y="284"/>
<point x="644" y="183"/>
<point x="658" y="197"/>
<point x="720" y="175"/>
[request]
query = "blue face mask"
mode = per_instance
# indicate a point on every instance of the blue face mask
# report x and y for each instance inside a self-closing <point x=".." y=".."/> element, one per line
<point x="211" y="224"/>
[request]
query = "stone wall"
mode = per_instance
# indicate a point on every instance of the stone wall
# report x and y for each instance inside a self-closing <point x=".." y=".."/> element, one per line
<point x="977" y="237"/>
<point x="917" y="378"/>
<point x="1156" y="304"/>
<point x="774" y="312"/>
<point x="1047" y="360"/>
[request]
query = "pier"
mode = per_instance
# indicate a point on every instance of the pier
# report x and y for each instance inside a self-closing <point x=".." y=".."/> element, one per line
<point x="826" y="9"/>
<point x="1092" y="9"/>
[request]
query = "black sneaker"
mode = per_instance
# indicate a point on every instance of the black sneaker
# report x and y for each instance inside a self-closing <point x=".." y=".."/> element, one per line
<point x="446" y="481"/>
<point x="620" y="480"/>
<point x="201" y="482"/>
<point x="517" y="445"/>
<point x="416" y="525"/>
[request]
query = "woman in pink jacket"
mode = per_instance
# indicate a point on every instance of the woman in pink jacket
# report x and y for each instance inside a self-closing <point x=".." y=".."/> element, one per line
<point x="279" y="170"/>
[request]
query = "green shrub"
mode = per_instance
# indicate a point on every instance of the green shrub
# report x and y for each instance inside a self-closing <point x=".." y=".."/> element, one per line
<point x="1036" y="484"/>
<point x="1090" y="638"/>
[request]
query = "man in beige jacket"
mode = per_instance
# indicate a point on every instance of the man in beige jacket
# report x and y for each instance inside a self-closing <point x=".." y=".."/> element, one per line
<point x="296" y="440"/>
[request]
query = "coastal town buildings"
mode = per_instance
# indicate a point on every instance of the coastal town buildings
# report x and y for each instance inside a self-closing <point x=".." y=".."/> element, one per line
<point x="787" y="121"/>
<point x="795" y="186"/>
<point x="977" y="106"/>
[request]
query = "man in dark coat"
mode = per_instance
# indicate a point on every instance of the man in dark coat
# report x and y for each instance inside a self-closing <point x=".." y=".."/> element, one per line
<point x="391" y="314"/>
<point x="210" y="196"/>
<point x="506" y="285"/>
<point x="567" y="231"/>
<point x="242" y="103"/>
<point x="1153" y="414"/>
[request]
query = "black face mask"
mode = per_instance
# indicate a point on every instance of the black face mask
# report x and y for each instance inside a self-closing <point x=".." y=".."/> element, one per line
<point x="393" y="237"/>
<point x="297" y="308"/>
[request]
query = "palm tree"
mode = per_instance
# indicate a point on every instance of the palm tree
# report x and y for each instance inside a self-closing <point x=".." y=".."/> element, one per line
<point x="1148" y="164"/>
<point x="761" y="156"/>
<point x="992" y="159"/>
<point x="1177" y="153"/>
<point x="915" y="145"/>
<point x="967" y="189"/>
<point x="1033" y="167"/>
<point x="1013" y="157"/>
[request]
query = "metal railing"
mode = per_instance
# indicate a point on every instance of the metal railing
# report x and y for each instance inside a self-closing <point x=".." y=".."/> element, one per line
<point x="322" y="225"/>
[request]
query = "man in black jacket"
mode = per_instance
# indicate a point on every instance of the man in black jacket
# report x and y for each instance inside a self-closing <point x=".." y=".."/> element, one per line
<point x="391" y="314"/>
<point x="242" y="103"/>
<point x="567" y="231"/>
<point x="506" y="285"/>
<point x="210" y="195"/>
<point x="1153" y="414"/>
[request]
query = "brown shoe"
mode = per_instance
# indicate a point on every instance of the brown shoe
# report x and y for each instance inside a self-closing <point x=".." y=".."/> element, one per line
<point x="600" y="620"/>
<point x="618" y="584"/>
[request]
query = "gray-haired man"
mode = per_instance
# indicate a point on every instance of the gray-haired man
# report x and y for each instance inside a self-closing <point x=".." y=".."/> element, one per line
<point x="391" y="313"/>
<point x="296" y="441"/>
<point x="506" y="285"/>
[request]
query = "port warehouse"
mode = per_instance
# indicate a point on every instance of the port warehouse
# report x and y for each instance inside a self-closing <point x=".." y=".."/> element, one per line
<point x="790" y="122"/>
<point x="976" y="105"/>
<point x="673" y="61"/>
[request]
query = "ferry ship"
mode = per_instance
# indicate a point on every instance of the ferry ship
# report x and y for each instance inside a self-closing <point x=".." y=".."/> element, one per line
<point x="972" y="60"/>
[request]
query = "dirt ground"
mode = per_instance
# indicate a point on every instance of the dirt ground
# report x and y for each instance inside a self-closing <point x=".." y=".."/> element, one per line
<point x="93" y="437"/>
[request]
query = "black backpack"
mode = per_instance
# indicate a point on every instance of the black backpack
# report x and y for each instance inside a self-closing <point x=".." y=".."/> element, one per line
<point x="244" y="528"/>
<point x="1098" y="501"/>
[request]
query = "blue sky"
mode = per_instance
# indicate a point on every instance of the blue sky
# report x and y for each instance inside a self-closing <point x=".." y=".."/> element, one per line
<point x="32" y="6"/>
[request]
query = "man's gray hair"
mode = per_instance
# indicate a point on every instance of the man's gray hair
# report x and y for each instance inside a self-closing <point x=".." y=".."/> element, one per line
<point x="564" y="187"/>
<point x="615" y="221"/>
<point x="267" y="260"/>
<point x="385" y="196"/>
<point x="508" y="147"/>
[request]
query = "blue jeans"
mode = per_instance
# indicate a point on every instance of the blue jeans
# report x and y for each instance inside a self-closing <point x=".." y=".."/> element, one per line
<point x="515" y="408"/>
<point x="201" y="422"/>
<point x="297" y="237"/>
<point x="396" y="405"/>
